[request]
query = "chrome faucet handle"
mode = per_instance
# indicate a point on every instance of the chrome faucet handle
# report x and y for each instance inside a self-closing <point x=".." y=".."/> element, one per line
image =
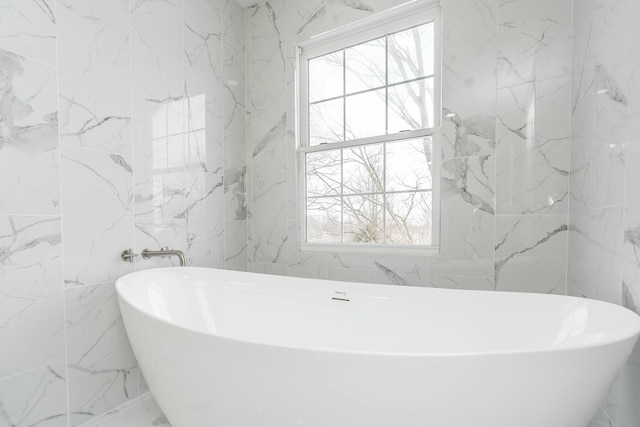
<point x="128" y="255"/>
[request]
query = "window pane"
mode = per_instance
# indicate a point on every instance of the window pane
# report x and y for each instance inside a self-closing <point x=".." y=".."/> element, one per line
<point x="411" y="106"/>
<point x="363" y="169"/>
<point x="323" y="173"/>
<point x="365" y="66"/>
<point x="374" y="192"/>
<point x="323" y="220"/>
<point x="365" y="115"/>
<point x="411" y="53"/>
<point x="408" y="218"/>
<point x="363" y="219"/>
<point x="326" y="122"/>
<point x="325" y="76"/>
<point x="409" y="165"/>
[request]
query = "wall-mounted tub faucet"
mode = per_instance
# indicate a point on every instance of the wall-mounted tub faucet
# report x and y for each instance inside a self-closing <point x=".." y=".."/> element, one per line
<point x="165" y="252"/>
<point x="128" y="255"/>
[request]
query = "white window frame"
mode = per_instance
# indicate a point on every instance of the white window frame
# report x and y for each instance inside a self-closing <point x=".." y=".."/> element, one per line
<point x="394" y="20"/>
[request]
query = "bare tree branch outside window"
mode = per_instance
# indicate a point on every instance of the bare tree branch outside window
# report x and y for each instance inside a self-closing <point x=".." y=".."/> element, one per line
<point x="382" y="192"/>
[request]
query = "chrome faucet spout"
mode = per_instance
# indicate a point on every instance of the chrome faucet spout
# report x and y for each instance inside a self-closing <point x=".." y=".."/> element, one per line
<point x="165" y="252"/>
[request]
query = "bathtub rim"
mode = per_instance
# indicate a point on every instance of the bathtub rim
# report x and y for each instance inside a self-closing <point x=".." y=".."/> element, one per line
<point x="626" y="334"/>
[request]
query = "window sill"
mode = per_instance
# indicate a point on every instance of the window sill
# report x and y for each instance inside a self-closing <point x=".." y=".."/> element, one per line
<point x="427" y="251"/>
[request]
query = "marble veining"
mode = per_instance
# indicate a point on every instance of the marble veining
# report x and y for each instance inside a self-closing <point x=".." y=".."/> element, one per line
<point x="235" y="193"/>
<point x="268" y="57"/>
<point x="530" y="253"/>
<point x="604" y="208"/>
<point x="204" y="216"/>
<point x="98" y="186"/>
<point x="270" y="227"/>
<point x="233" y="24"/>
<point x="103" y="372"/>
<point x="534" y="40"/>
<point x="28" y="28"/>
<point x="115" y="12"/>
<point x="630" y="281"/>
<point x="479" y="38"/>
<point x="305" y="17"/>
<point x="234" y="89"/>
<point x="469" y="17"/>
<point x="94" y="87"/>
<point x="533" y="149"/>
<point x="203" y="36"/>
<point x="610" y="87"/>
<point x="344" y="11"/>
<point x="629" y="300"/>
<point x="236" y="245"/>
<point x="157" y="71"/>
<point x="471" y="179"/>
<point x="268" y="130"/>
<point x="191" y="196"/>
<point x="462" y="282"/>
<point x="203" y="122"/>
<point x="158" y="131"/>
<point x="143" y="412"/>
<point x="596" y="249"/>
<point x="35" y="398"/>
<point x="114" y="122"/>
<point x="406" y="271"/>
<point x="310" y="265"/>
<point x="469" y="95"/>
<point x="29" y="156"/>
<point x="30" y="290"/>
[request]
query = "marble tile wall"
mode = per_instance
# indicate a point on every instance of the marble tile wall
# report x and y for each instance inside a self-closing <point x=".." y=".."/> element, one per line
<point x="142" y="411"/>
<point x="505" y="146"/>
<point x="121" y="125"/>
<point x="604" y="202"/>
<point x="152" y="120"/>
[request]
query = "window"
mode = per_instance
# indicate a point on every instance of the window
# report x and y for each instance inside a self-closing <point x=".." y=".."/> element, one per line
<point x="368" y="123"/>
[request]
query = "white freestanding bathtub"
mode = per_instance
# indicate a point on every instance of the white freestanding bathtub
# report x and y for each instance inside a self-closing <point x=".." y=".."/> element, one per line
<point x="230" y="349"/>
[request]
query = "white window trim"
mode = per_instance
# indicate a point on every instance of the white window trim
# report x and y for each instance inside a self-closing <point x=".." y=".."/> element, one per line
<point x="393" y="20"/>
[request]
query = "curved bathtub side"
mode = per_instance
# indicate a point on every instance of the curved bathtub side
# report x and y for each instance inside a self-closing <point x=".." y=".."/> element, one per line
<point x="376" y="319"/>
<point x="197" y="378"/>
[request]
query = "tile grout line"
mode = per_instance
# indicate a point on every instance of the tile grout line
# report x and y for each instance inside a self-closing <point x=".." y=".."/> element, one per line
<point x="62" y="255"/>
<point x="495" y="151"/>
<point x="32" y="59"/>
<point x="224" y="134"/>
<point x="132" y="135"/>
<point x="118" y="410"/>
<point x="76" y="3"/>
<point x="30" y="370"/>
<point x="95" y="150"/>
<point x="569" y="203"/>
